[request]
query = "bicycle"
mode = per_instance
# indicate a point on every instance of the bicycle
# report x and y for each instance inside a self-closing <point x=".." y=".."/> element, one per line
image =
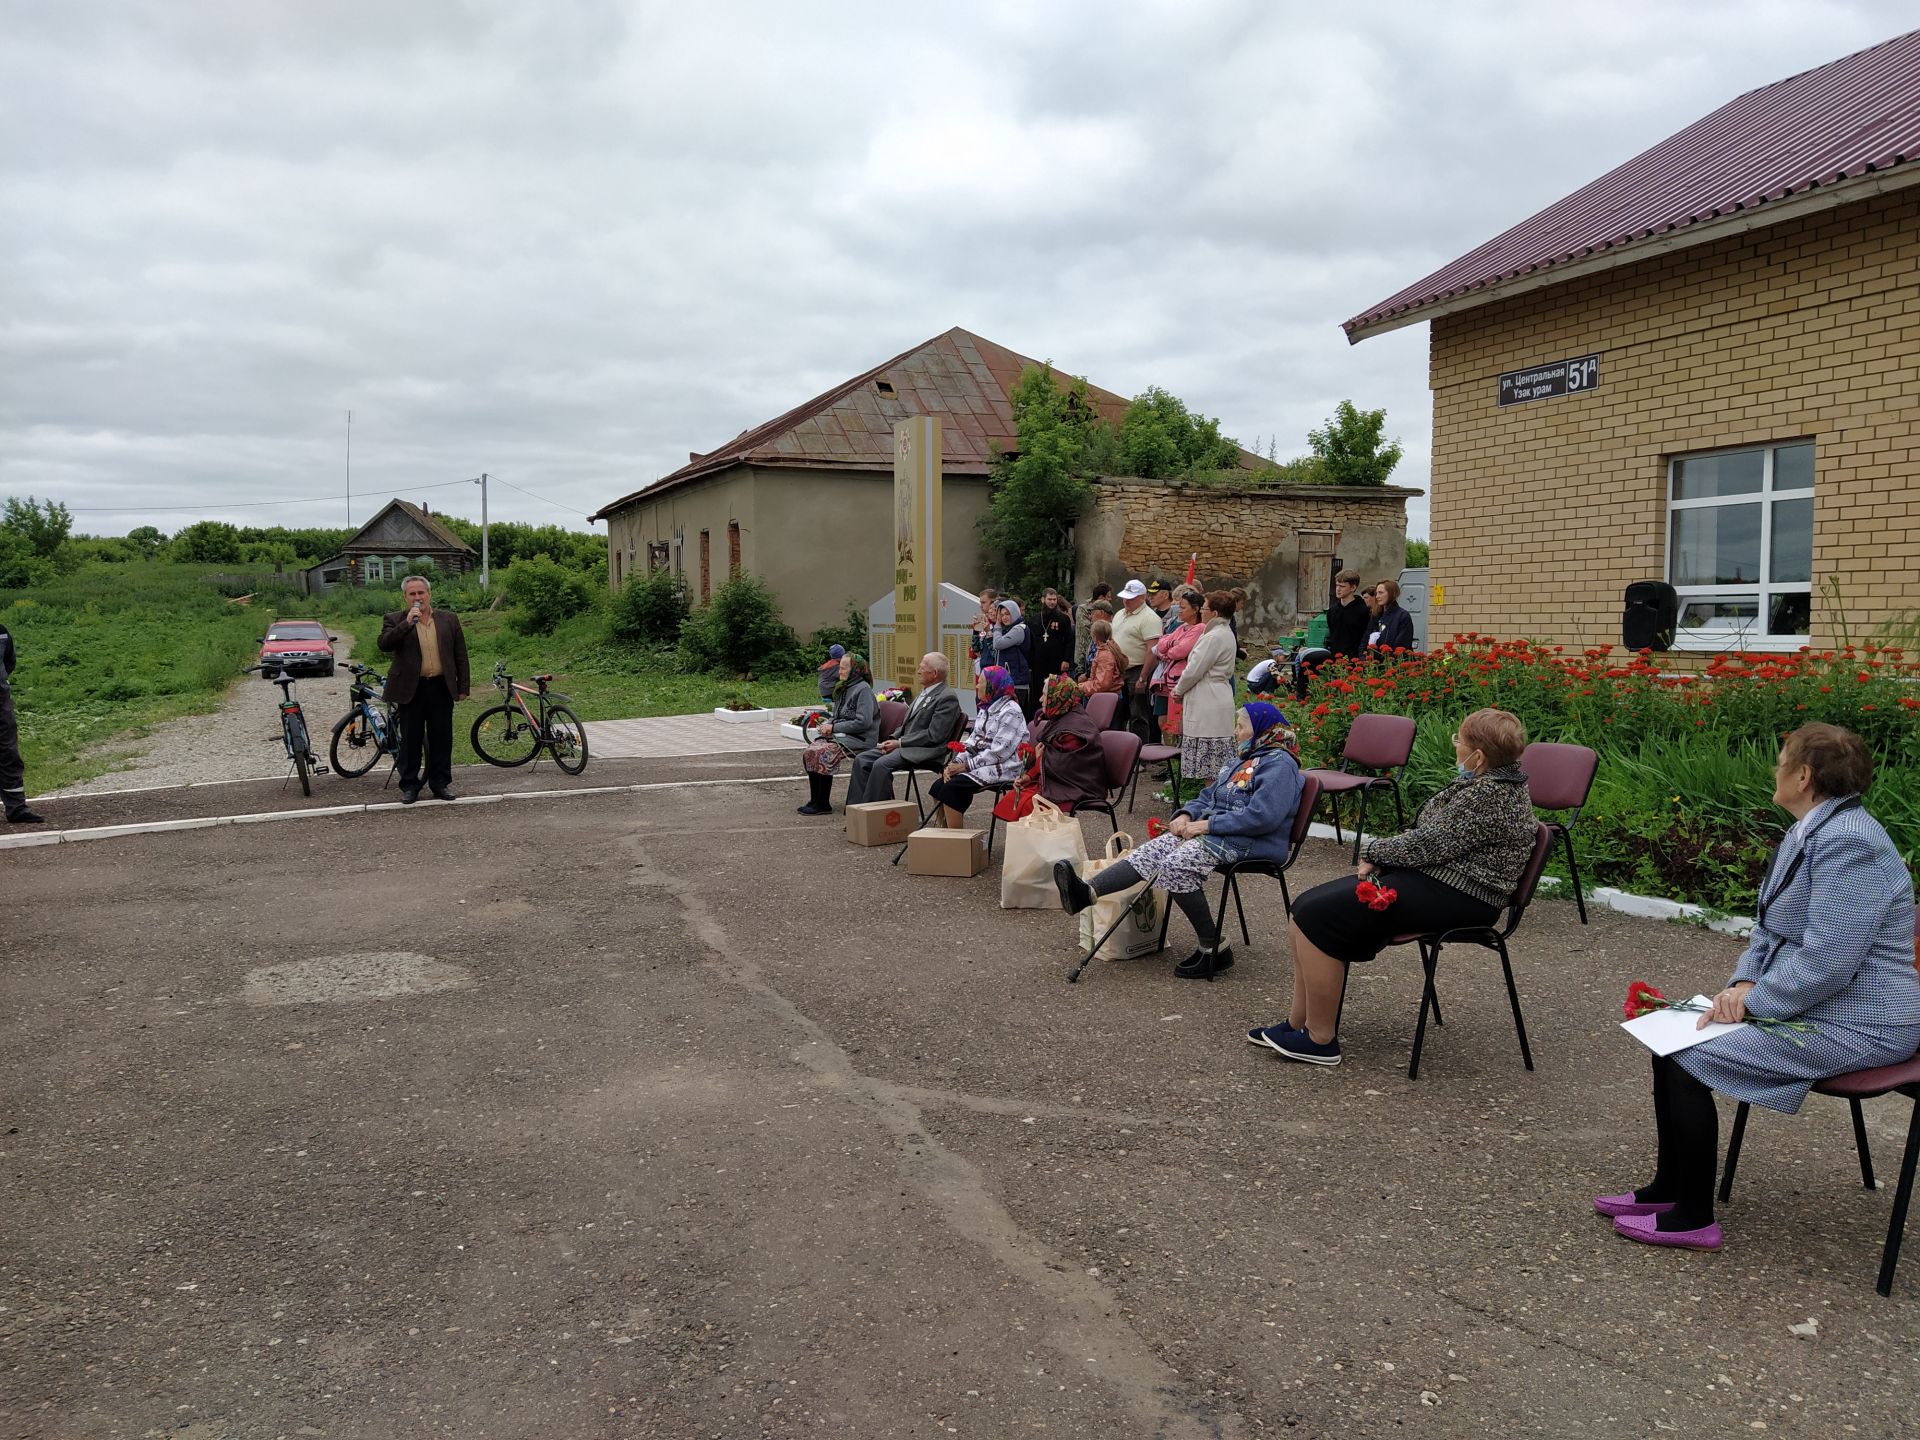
<point x="510" y="734"/>
<point x="293" y="726"/>
<point x="368" y="730"/>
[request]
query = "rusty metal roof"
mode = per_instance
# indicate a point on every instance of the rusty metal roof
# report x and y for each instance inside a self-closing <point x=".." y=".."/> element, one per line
<point x="959" y="377"/>
<point x="1834" y="129"/>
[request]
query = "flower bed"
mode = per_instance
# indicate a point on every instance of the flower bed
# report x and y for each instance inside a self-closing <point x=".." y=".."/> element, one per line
<point x="1681" y="806"/>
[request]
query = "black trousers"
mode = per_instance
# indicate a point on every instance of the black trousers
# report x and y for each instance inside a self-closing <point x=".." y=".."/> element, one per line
<point x="428" y="718"/>
<point x="13" y="774"/>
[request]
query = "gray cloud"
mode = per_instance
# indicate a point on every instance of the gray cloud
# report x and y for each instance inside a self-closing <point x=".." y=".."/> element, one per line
<point x="569" y="243"/>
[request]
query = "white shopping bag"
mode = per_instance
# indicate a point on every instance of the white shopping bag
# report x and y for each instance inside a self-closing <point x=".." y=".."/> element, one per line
<point x="1046" y="834"/>
<point x="1144" y="906"/>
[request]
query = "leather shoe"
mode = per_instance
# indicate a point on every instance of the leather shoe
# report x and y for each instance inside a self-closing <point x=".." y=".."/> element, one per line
<point x="409" y="794"/>
<point x="24" y="816"/>
<point x="443" y="792"/>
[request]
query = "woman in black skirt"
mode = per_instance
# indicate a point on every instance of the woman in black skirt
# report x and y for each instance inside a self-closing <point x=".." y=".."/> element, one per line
<point x="1457" y="866"/>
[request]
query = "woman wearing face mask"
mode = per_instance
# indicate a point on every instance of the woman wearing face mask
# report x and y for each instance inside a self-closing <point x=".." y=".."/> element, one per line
<point x="1457" y="866"/>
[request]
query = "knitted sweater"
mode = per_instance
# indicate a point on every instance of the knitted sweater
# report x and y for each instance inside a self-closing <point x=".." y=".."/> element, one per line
<point x="1475" y="835"/>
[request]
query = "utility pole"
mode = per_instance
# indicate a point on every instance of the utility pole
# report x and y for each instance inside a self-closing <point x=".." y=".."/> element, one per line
<point x="486" y="581"/>
<point x="349" y="469"/>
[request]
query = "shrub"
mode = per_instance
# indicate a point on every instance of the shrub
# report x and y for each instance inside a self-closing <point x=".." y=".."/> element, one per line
<point x="851" y="633"/>
<point x="544" y="593"/>
<point x="739" y="632"/>
<point x="649" y="608"/>
<point x="1681" y="805"/>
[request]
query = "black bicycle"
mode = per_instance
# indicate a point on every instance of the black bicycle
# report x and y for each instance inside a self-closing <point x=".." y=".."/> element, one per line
<point x="293" y="727"/>
<point x="368" y="730"/>
<point x="512" y="733"/>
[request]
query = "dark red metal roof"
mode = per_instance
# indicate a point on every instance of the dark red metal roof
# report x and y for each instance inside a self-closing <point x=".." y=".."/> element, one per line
<point x="961" y="378"/>
<point x="1836" y="125"/>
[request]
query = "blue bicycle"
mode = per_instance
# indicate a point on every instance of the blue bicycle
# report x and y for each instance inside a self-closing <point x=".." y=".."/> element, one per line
<point x="367" y="731"/>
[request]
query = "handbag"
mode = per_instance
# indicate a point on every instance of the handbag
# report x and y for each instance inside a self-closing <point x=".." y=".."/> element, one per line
<point x="1033" y="845"/>
<point x="1144" y="908"/>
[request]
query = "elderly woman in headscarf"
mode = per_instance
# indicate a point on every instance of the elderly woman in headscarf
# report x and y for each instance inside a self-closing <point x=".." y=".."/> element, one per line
<point x="1245" y="814"/>
<point x="1071" y="766"/>
<point x="990" y="753"/>
<point x="1011" y="649"/>
<point x="853" y="729"/>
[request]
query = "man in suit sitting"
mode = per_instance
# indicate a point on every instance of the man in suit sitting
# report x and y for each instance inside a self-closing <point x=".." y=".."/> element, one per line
<point x="428" y="674"/>
<point x="931" y="722"/>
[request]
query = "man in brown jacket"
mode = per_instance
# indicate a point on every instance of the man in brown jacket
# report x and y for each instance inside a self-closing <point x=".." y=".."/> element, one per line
<point x="428" y="674"/>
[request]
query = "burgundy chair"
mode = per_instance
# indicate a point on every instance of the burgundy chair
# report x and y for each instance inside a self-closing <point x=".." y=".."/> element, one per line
<point x="1488" y="937"/>
<point x="893" y="714"/>
<point x="1103" y="707"/>
<point x="1855" y="1086"/>
<point x="1559" y="777"/>
<point x="1234" y="869"/>
<point x="1119" y="749"/>
<point x="1379" y="743"/>
<point x="1156" y="755"/>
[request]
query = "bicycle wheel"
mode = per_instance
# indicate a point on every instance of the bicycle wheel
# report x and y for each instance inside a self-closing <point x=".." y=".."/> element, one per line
<point x="501" y="736"/>
<point x="355" y="750"/>
<point x="567" y="739"/>
<point x="301" y="751"/>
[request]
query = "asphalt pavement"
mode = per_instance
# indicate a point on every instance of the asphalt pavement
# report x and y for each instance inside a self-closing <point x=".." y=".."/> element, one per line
<point x="667" y="1112"/>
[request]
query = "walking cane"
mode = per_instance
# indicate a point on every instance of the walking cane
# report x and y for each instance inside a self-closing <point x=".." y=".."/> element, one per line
<point x="1126" y="913"/>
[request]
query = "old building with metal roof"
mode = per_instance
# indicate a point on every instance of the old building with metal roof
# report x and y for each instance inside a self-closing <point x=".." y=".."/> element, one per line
<point x="1697" y="370"/>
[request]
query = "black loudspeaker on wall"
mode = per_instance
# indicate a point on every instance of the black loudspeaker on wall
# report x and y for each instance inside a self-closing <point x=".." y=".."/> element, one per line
<point x="1652" y="612"/>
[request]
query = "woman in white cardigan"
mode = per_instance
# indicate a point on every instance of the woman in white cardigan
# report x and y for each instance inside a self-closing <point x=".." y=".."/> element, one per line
<point x="1205" y="693"/>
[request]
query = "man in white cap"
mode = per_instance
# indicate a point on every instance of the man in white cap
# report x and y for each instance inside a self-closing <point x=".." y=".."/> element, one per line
<point x="1136" y="630"/>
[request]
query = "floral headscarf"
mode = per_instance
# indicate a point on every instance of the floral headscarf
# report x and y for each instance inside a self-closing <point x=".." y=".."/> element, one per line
<point x="1270" y="731"/>
<point x="999" y="681"/>
<point x="1063" y="692"/>
<point x="856" y="670"/>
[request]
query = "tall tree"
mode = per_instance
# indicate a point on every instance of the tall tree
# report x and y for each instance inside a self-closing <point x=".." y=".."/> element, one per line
<point x="1040" y="488"/>
<point x="43" y="524"/>
<point x="1349" y="450"/>
<point x="1160" y="438"/>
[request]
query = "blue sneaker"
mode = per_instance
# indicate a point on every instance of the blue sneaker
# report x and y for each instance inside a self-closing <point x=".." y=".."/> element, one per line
<point x="1265" y="1035"/>
<point x="1299" y="1045"/>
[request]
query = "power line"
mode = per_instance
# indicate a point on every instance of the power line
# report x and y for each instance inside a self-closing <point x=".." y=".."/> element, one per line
<point x="554" y="504"/>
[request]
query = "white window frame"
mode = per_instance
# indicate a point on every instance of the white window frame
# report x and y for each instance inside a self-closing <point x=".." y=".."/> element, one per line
<point x="1740" y="637"/>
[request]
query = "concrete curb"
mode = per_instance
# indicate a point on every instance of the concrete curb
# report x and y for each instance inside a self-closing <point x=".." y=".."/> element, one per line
<point x="265" y="817"/>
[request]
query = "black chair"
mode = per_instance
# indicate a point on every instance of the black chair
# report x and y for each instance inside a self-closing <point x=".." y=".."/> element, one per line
<point x="1489" y="937"/>
<point x="1234" y="869"/>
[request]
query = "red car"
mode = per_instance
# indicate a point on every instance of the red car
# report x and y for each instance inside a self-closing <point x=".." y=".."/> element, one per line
<point x="298" y="647"/>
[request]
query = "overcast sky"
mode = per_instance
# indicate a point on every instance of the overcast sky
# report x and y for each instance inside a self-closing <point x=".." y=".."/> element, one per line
<point x="566" y="243"/>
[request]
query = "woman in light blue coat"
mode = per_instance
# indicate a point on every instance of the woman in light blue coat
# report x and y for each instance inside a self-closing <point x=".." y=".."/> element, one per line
<point x="1833" y="947"/>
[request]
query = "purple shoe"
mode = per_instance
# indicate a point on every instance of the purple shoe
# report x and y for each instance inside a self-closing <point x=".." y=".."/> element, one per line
<point x="1627" y="1205"/>
<point x="1645" y="1229"/>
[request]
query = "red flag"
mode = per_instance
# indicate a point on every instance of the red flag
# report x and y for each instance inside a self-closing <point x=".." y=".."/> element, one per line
<point x="1195" y="560"/>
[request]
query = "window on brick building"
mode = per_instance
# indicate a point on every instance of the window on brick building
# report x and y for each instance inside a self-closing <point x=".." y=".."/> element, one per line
<point x="1740" y="544"/>
<point x="656" y="555"/>
<point x="733" y="548"/>
<point x="706" y="570"/>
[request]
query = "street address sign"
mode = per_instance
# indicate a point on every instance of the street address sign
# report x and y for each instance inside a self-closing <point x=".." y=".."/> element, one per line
<point x="1543" y="382"/>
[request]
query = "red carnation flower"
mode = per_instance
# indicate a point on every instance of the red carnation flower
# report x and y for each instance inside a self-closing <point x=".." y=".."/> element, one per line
<point x="1643" y="999"/>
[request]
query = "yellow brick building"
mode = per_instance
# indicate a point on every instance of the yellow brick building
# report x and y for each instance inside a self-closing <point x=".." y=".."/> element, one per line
<point x="1724" y="335"/>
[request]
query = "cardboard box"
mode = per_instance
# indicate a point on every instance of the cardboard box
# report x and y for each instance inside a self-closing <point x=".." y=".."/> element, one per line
<point x="884" y="822"/>
<point x="947" y="852"/>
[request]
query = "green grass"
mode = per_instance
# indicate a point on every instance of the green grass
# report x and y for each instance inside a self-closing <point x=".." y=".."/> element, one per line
<point x="604" y="679"/>
<point x="110" y="651"/>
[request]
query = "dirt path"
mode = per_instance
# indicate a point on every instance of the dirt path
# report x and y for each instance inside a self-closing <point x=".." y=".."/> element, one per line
<point x="239" y="741"/>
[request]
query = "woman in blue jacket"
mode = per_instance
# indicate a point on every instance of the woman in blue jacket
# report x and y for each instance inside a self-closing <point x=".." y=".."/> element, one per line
<point x="1010" y="649"/>
<point x="1833" y="946"/>
<point x="1245" y="814"/>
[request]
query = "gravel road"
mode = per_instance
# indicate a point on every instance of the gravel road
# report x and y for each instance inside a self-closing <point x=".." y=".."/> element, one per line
<point x="239" y="741"/>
